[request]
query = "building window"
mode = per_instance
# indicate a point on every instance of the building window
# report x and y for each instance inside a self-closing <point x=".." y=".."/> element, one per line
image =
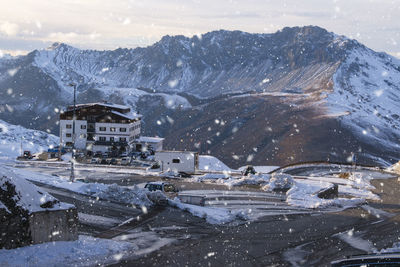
<point x="68" y="135"/>
<point x="82" y="136"/>
<point x="68" y="126"/>
<point x="122" y="139"/>
<point x="68" y="144"/>
<point x="122" y="129"/>
<point x="102" y="138"/>
<point x="112" y="139"/>
<point x="83" y="126"/>
<point x="112" y="129"/>
<point x="102" y="129"/>
<point x="176" y="160"/>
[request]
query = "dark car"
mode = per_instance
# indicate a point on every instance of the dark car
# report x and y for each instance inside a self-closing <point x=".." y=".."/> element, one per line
<point x="385" y="259"/>
<point x="167" y="188"/>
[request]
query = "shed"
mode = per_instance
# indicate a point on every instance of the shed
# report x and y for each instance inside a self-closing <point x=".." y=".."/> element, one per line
<point x="29" y="215"/>
<point x="178" y="161"/>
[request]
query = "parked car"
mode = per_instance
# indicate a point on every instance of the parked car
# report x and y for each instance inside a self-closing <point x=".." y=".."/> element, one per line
<point x="95" y="160"/>
<point x="124" y="154"/>
<point x="169" y="189"/>
<point x="384" y="259"/>
<point x="113" y="161"/>
<point x="125" y="161"/>
<point x="103" y="161"/>
<point x="98" y="155"/>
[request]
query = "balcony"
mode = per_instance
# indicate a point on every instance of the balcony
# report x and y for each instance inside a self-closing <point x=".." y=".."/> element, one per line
<point x="110" y="143"/>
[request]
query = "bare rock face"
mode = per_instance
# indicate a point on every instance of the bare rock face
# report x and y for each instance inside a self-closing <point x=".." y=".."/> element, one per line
<point x="29" y="215"/>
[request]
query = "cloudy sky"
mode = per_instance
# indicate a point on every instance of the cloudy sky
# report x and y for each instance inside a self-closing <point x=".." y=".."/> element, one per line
<point x="107" y="24"/>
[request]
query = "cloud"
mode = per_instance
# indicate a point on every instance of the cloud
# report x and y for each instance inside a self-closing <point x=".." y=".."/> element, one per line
<point x="9" y="29"/>
<point x="72" y="37"/>
<point x="311" y="14"/>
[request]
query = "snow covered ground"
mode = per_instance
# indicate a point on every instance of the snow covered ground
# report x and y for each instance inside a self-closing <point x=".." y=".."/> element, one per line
<point x="303" y="191"/>
<point x="87" y="251"/>
<point x="11" y="137"/>
<point x="128" y="195"/>
<point x="238" y="206"/>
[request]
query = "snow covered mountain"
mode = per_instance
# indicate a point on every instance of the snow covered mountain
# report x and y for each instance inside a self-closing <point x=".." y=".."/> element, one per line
<point x="319" y="77"/>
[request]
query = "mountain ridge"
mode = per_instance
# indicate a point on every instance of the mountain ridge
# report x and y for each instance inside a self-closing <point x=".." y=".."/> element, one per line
<point x="346" y="84"/>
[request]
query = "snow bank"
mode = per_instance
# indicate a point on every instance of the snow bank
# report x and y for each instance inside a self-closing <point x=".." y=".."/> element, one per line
<point x="210" y="177"/>
<point x="252" y="179"/>
<point x="128" y="195"/>
<point x="226" y="179"/>
<point x="304" y="194"/>
<point x="262" y="169"/>
<point x="211" y="163"/>
<point x="279" y="182"/>
<point x="211" y="215"/>
<point x="169" y="174"/>
<point x="87" y="251"/>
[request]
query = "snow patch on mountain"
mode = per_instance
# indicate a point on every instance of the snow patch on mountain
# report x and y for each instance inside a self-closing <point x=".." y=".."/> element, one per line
<point x="132" y="95"/>
<point x="367" y="95"/>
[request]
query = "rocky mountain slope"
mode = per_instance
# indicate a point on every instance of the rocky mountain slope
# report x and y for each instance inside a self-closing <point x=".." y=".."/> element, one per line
<point x="293" y="95"/>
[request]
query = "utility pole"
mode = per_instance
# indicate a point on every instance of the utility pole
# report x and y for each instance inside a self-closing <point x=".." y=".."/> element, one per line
<point x="22" y="151"/>
<point x="60" y="146"/>
<point x="72" y="177"/>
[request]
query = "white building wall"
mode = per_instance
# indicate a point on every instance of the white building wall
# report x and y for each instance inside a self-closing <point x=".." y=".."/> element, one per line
<point x="132" y="132"/>
<point x="187" y="160"/>
<point x="108" y="133"/>
<point x="80" y="133"/>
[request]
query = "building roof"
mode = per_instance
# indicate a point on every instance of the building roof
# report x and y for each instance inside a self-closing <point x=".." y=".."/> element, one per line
<point x="96" y="111"/>
<point x="109" y="105"/>
<point x="129" y="116"/>
<point x="177" y="151"/>
<point x="148" y="139"/>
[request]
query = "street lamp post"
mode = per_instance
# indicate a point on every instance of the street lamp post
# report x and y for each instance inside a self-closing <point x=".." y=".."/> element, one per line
<point x="72" y="177"/>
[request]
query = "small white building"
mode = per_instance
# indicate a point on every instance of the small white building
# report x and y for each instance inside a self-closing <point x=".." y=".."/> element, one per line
<point x="146" y="143"/>
<point x="178" y="161"/>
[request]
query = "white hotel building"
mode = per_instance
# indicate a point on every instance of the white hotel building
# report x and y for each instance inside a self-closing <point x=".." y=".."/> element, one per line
<point x="100" y="127"/>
